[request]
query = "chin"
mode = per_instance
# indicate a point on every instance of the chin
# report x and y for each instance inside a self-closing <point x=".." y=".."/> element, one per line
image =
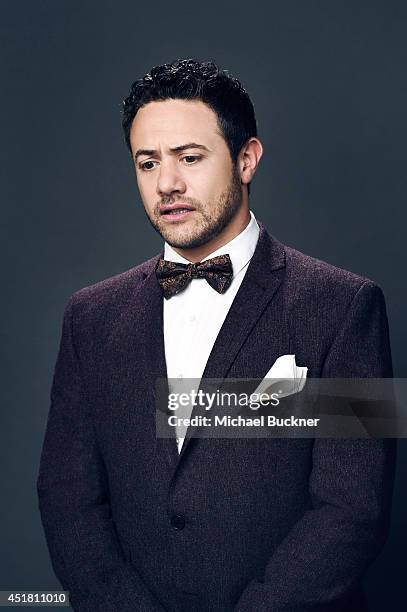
<point x="183" y="239"/>
<point x="190" y="242"/>
<point x="185" y="244"/>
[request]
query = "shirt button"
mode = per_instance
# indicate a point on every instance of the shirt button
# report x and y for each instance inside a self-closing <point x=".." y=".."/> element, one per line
<point x="178" y="521"/>
<point x="192" y="319"/>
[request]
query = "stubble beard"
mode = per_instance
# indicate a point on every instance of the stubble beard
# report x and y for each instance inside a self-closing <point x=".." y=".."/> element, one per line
<point x="209" y="225"/>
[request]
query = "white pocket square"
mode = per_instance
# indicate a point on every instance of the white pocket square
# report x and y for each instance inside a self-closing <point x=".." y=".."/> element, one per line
<point x="284" y="377"/>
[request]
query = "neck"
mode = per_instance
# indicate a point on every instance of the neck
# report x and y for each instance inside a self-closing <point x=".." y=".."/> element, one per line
<point x="235" y="227"/>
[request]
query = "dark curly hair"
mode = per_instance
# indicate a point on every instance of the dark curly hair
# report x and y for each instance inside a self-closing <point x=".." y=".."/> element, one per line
<point x="189" y="79"/>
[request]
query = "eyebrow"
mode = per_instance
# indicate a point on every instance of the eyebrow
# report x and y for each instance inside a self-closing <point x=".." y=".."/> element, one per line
<point x="179" y="149"/>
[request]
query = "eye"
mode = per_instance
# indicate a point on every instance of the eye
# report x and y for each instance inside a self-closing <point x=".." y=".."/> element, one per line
<point x="191" y="159"/>
<point x="147" y="165"/>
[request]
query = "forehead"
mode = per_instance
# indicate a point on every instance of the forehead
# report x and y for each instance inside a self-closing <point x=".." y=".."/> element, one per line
<point x="174" y="122"/>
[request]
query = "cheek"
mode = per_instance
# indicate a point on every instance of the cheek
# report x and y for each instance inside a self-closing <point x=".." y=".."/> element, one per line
<point x="209" y="185"/>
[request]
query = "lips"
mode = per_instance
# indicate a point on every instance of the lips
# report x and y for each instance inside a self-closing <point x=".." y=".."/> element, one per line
<point x="178" y="212"/>
<point x="175" y="209"/>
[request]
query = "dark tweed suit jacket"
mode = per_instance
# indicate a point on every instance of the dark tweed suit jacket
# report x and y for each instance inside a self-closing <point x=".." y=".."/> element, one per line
<point x="276" y="525"/>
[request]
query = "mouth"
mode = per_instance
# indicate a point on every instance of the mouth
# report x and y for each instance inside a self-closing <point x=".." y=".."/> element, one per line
<point x="176" y="212"/>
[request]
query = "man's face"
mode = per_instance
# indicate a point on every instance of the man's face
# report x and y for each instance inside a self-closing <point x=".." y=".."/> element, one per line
<point x="189" y="186"/>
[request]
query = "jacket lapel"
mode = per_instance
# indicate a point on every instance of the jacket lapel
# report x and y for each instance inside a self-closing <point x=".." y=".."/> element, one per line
<point x="262" y="279"/>
<point x="148" y="347"/>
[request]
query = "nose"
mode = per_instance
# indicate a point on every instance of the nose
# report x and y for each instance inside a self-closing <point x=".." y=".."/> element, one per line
<point x="170" y="179"/>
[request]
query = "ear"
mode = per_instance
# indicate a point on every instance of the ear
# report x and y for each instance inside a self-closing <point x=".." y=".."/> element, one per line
<point x="249" y="158"/>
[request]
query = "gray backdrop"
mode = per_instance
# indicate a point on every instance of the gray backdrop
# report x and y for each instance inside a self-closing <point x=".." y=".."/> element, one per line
<point x="328" y="80"/>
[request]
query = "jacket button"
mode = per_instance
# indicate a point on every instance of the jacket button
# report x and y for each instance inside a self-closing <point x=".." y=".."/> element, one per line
<point x="178" y="521"/>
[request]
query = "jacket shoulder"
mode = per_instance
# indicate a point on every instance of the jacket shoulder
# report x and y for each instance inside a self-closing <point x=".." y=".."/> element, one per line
<point x="307" y="272"/>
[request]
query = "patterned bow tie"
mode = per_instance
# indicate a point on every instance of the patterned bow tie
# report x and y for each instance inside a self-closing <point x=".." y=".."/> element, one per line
<point x="173" y="277"/>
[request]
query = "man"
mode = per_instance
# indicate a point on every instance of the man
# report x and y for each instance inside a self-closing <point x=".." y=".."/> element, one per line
<point x="132" y="521"/>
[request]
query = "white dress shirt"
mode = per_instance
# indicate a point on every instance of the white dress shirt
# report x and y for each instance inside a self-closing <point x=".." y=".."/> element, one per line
<point x="194" y="317"/>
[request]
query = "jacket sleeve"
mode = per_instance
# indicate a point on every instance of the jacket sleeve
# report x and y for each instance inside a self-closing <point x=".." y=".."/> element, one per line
<point x="327" y="550"/>
<point x="74" y="500"/>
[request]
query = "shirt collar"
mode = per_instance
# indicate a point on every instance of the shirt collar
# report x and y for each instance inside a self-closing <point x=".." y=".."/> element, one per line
<point x="240" y="249"/>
